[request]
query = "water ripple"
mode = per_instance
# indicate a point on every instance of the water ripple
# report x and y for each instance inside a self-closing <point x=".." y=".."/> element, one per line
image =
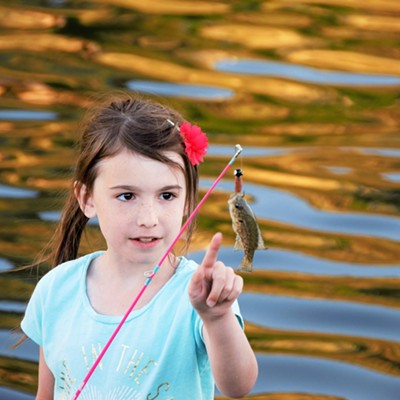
<point x="304" y="74"/>
<point x="15" y="192"/>
<point x="328" y="316"/>
<point x="12" y="306"/>
<point x="27" y="115"/>
<point x="5" y="265"/>
<point x="28" y="350"/>
<point x="11" y="394"/>
<point x="290" y="261"/>
<point x="201" y="92"/>
<point x="297" y="374"/>
<point x="392" y="176"/>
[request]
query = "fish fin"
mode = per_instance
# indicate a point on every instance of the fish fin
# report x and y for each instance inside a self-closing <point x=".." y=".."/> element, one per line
<point x="260" y="244"/>
<point x="246" y="265"/>
<point x="238" y="243"/>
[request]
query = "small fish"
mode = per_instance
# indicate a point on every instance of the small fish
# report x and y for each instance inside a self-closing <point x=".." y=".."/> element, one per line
<point x="244" y="224"/>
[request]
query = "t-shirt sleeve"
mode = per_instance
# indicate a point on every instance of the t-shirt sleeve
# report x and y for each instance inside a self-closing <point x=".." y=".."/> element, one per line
<point x="31" y="324"/>
<point x="236" y="310"/>
<point x="199" y="324"/>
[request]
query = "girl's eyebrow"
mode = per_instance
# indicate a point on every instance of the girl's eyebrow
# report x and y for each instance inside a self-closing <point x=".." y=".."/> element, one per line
<point x="130" y="188"/>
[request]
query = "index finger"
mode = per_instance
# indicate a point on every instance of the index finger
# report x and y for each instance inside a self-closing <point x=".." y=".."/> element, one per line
<point x="212" y="253"/>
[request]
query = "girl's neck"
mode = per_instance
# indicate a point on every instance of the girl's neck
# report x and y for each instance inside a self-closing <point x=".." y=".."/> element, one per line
<point x="111" y="288"/>
<point x="106" y="267"/>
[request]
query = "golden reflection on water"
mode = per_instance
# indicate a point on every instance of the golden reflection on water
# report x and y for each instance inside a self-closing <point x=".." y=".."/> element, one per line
<point x="172" y="7"/>
<point x="20" y="18"/>
<point x="379" y="355"/>
<point x="59" y="58"/>
<point x="346" y="60"/>
<point x="256" y="37"/>
<point x="373" y="23"/>
<point x="371" y="5"/>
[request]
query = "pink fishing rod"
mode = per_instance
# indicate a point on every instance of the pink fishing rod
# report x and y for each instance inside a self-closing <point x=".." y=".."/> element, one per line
<point x="152" y="274"/>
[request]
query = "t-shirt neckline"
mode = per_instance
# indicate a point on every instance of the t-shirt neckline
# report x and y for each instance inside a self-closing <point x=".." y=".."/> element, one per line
<point x="115" y="319"/>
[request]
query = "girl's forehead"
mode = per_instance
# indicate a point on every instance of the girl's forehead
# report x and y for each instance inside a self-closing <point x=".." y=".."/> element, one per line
<point x="130" y="164"/>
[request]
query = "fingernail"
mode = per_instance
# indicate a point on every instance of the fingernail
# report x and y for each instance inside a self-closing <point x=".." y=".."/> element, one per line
<point x="210" y="303"/>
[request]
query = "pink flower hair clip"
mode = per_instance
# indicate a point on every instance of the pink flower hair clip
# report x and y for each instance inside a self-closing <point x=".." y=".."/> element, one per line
<point x="195" y="140"/>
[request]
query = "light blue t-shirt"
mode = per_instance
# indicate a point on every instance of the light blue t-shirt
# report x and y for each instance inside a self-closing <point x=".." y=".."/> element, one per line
<point x="159" y="352"/>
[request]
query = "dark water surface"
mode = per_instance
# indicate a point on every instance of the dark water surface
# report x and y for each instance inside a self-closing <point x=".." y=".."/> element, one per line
<point x="310" y="89"/>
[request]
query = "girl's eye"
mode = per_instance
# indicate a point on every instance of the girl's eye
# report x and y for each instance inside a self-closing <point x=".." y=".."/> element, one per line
<point x="125" y="196"/>
<point x="167" y="196"/>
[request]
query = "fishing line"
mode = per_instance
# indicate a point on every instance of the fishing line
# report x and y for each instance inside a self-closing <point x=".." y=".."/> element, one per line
<point x="153" y="273"/>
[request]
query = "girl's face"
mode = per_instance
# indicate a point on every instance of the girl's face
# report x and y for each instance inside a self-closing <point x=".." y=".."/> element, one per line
<point x="139" y="203"/>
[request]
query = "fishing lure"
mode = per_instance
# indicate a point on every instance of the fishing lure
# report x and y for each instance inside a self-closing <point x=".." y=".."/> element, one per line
<point x="244" y="224"/>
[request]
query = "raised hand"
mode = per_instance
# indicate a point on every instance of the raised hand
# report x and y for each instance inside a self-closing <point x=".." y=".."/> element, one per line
<point x="214" y="287"/>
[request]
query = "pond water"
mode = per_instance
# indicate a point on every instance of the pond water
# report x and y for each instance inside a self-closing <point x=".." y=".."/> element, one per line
<point x="309" y="89"/>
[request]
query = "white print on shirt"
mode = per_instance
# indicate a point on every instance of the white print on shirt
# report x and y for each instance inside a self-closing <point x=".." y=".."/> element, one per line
<point x="120" y="393"/>
<point x="166" y="388"/>
<point x="132" y="364"/>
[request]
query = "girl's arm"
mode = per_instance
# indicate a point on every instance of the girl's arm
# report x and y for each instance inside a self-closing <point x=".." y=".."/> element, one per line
<point x="46" y="380"/>
<point x="213" y="289"/>
<point x="232" y="360"/>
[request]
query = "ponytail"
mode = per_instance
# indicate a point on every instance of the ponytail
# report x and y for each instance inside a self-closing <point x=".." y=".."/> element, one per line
<point x="67" y="236"/>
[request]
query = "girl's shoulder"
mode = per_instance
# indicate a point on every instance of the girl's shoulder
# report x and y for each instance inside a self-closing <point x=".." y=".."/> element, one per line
<point x="186" y="267"/>
<point x="69" y="269"/>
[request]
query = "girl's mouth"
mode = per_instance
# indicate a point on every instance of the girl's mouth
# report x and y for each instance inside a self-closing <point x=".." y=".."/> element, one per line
<point x="145" y="241"/>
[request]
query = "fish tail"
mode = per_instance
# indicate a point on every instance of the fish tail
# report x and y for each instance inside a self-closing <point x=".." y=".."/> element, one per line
<point x="246" y="265"/>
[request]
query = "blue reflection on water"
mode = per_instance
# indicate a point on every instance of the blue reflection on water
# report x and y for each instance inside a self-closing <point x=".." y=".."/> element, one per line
<point x="304" y="74"/>
<point x="297" y="374"/>
<point x="5" y="265"/>
<point x="392" y="176"/>
<point x="12" y="306"/>
<point x="290" y="261"/>
<point x="201" y="92"/>
<point x="15" y="192"/>
<point x="27" y="115"/>
<point x="328" y="316"/>
<point x="54" y="216"/>
<point x="11" y="394"/>
<point x="28" y="350"/>
<point x="248" y="151"/>
<point x="377" y="151"/>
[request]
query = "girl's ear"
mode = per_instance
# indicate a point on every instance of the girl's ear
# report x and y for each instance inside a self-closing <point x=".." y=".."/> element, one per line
<point x="85" y="200"/>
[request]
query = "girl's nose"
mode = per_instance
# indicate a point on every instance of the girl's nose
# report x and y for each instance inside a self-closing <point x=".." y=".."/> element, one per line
<point x="147" y="216"/>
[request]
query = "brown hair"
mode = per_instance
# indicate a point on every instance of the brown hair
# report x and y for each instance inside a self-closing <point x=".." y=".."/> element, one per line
<point x="138" y="125"/>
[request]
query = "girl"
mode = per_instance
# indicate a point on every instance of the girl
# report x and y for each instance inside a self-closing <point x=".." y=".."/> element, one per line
<point x="137" y="174"/>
